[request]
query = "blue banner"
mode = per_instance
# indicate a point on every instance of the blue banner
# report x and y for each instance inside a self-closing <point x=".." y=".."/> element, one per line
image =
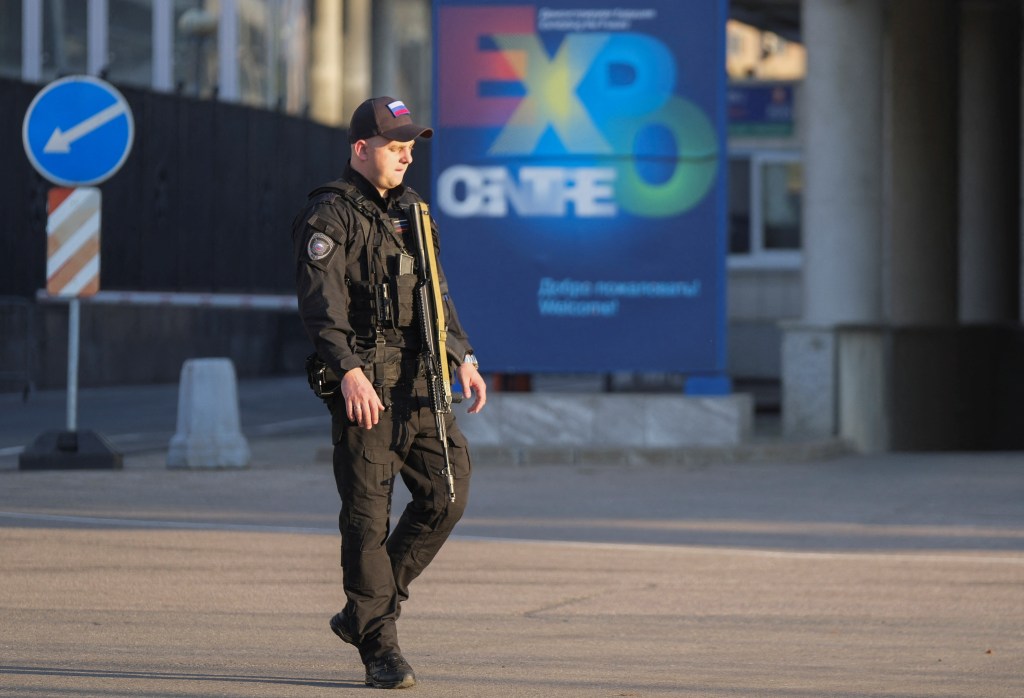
<point x="760" y="110"/>
<point x="579" y="181"/>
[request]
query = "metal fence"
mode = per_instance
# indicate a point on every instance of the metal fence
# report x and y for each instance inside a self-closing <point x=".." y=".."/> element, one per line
<point x="204" y="202"/>
<point x="17" y="331"/>
<point x="203" y="205"/>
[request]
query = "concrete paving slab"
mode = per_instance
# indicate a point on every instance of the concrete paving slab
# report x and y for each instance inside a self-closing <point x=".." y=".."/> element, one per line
<point x="104" y="611"/>
<point x="895" y="575"/>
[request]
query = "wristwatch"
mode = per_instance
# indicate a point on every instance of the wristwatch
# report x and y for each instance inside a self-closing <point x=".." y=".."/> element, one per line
<point x="470" y="359"/>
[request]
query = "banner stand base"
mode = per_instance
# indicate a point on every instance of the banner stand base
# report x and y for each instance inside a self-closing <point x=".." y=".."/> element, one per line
<point x="70" y="450"/>
<point x="711" y="384"/>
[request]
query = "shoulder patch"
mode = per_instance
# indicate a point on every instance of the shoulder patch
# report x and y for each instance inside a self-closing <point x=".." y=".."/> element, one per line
<point x="319" y="246"/>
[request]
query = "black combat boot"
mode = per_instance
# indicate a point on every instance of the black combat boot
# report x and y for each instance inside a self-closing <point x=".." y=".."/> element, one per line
<point x="390" y="671"/>
<point x="342" y="627"/>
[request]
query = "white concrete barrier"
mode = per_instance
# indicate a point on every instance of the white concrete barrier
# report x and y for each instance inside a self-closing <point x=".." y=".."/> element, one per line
<point x="599" y="420"/>
<point x="208" y="434"/>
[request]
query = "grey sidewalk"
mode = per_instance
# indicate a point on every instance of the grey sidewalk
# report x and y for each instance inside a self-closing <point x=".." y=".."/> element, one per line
<point x="897" y="575"/>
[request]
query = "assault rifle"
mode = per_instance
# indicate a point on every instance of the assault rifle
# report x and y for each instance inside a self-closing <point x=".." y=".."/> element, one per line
<point x="433" y="331"/>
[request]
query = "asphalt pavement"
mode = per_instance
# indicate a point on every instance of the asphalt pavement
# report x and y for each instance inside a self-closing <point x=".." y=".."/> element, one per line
<point x="888" y="575"/>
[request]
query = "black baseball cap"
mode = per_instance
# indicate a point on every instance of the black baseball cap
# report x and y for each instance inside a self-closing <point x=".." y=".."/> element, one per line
<point x="387" y="117"/>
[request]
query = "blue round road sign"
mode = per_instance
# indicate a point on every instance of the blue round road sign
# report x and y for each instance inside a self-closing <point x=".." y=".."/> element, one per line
<point x="78" y="131"/>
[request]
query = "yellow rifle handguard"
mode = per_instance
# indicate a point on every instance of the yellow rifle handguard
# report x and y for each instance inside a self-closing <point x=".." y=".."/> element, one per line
<point x="422" y="211"/>
<point x="434" y="332"/>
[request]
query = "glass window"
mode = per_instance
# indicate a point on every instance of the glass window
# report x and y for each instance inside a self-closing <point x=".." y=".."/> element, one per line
<point x="739" y="206"/>
<point x="765" y="190"/>
<point x="130" y="51"/>
<point x="273" y="46"/>
<point x="10" y="38"/>
<point x="412" y="34"/>
<point x="256" y="46"/>
<point x="781" y="188"/>
<point x="65" y="43"/>
<point x="195" y="47"/>
<point x="291" y="66"/>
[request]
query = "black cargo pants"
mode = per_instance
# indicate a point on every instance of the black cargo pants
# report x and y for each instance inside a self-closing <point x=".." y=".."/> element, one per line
<point x="378" y="564"/>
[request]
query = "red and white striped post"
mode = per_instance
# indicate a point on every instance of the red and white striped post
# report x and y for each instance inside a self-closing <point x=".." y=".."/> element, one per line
<point x="73" y="265"/>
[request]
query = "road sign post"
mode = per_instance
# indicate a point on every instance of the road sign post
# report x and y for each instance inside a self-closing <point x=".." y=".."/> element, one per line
<point x="77" y="133"/>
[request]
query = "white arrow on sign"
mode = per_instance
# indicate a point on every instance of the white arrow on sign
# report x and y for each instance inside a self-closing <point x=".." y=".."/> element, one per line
<point x="60" y="141"/>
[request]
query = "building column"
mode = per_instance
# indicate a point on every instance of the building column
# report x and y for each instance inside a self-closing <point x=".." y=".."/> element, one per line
<point x="227" y="52"/>
<point x="31" y="41"/>
<point x="922" y="147"/>
<point x="842" y="131"/>
<point x="163" y="45"/>
<point x="358" y="50"/>
<point x="97" y="37"/>
<point x="326" y="87"/>
<point x="989" y="118"/>
<point x="385" y="54"/>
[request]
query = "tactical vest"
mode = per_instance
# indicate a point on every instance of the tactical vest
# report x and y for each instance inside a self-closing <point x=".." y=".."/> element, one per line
<point x="384" y="303"/>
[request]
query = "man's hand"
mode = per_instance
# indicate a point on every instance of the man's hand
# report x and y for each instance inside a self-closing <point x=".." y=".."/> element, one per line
<point x="472" y="381"/>
<point x="361" y="402"/>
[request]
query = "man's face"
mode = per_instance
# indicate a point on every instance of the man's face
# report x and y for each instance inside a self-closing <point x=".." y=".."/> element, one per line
<point x="383" y="162"/>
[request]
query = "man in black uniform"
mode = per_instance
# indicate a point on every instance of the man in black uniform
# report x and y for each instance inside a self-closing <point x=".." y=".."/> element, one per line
<point x="355" y="277"/>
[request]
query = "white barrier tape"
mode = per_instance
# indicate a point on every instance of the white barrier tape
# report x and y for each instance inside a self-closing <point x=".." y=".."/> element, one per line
<point x="240" y="301"/>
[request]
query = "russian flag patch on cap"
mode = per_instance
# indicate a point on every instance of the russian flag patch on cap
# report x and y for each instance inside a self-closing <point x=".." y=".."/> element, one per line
<point x="398" y="108"/>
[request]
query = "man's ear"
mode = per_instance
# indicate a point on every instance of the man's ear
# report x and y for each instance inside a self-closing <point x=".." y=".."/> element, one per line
<point x="360" y="149"/>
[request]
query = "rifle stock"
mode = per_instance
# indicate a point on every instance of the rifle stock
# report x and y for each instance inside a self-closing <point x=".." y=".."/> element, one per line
<point x="433" y="331"/>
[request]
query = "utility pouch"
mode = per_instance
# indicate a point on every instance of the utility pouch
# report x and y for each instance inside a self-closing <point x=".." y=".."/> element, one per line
<point x="403" y="280"/>
<point x="405" y="299"/>
<point x="322" y="380"/>
<point x="382" y="306"/>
